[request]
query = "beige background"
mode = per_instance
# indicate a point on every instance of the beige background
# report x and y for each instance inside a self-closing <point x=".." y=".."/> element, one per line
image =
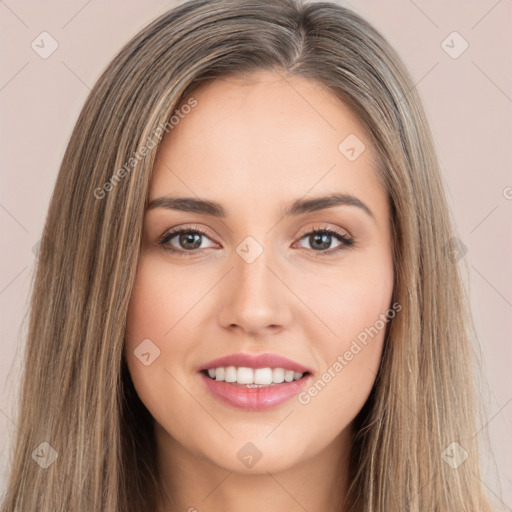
<point x="468" y="100"/>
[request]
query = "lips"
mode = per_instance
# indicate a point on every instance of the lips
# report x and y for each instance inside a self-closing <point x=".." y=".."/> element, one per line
<point x="251" y="397"/>
<point x="256" y="361"/>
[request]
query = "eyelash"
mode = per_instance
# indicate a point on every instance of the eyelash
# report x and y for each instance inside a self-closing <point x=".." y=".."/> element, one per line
<point x="346" y="242"/>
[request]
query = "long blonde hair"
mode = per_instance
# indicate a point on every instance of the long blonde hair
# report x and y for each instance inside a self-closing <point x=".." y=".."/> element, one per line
<point x="77" y="394"/>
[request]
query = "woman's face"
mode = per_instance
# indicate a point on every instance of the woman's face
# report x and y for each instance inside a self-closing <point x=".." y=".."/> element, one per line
<point x="257" y="280"/>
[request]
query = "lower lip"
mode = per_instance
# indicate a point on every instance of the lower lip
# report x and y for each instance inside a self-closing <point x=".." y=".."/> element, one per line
<point x="254" y="399"/>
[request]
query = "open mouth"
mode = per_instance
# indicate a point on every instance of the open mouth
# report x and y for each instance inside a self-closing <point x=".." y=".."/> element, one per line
<point x="254" y="378"/>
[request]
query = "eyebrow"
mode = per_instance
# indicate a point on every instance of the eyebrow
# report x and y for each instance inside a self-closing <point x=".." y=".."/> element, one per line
<point x="297" y="207"/>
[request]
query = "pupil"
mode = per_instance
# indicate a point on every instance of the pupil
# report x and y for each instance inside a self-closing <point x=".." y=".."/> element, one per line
<point x="188" y="238"/>
<point x="323" y="239"/>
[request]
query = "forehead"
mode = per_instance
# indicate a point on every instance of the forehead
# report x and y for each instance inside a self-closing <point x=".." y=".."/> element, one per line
<point x="268" y="135"/>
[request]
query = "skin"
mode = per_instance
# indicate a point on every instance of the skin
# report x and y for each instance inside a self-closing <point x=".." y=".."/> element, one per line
<point x="255" y="144"/>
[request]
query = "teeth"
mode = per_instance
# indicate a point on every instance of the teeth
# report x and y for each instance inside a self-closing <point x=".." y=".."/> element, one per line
<point x="253" y="377"/>
<point x="245" y="376"/>
<point x="263" y="376"/>
<point x="278" y="375"/>
<point x="230" y="374"/>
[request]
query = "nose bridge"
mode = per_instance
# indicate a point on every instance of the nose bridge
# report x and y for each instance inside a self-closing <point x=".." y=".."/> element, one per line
<point x="256" y="297"/>
<point x="252" y="269"/>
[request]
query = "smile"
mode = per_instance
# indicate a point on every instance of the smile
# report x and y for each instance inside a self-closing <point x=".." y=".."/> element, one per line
<point x="253" y="376"/>
<point x="254" y="382"/>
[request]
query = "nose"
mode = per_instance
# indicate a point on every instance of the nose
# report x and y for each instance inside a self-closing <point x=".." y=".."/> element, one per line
<point x="254" y="297"/>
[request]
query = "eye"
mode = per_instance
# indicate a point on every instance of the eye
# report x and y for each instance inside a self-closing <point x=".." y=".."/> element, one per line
<point x="189" y="240"/>
<point x="184" y="240"/>
<point x="320" y="239"/>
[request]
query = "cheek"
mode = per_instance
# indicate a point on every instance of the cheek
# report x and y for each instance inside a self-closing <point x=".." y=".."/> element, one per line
<point x="156" y="305"/>
<point x="356" y="307"/>
<point x="159" y="300"/>
<point x="349" y="300"/>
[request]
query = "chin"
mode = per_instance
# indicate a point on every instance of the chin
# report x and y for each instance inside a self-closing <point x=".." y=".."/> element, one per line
<point x="256" y="456"/>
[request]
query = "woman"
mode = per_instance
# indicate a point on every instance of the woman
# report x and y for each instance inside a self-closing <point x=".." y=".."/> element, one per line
<point x="247" y="290"/>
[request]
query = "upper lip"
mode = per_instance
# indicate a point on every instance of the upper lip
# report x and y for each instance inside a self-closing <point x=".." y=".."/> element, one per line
<point x="255" y="361"/>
